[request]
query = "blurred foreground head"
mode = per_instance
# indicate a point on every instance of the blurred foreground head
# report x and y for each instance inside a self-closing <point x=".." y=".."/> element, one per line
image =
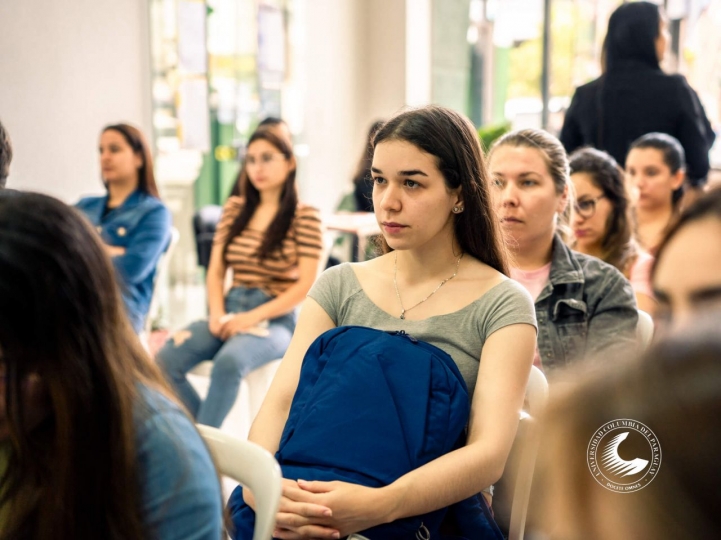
<point x="686" y="276"/>
<point x="601" y="484"/>
<point x="57" y="288"/>
<point x="70" y="367"/>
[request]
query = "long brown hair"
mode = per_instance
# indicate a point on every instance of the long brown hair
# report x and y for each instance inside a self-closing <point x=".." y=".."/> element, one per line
<point x="278" y="229"/>
<point x="618" y="246"/>
<point x="136" y="140"/>
<point x="75" y="474"/>
<point x="452" y="139"/>
<point x="554" y="155"/>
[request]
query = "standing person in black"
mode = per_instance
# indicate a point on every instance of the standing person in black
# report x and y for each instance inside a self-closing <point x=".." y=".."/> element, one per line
<point x="634" y="96"/>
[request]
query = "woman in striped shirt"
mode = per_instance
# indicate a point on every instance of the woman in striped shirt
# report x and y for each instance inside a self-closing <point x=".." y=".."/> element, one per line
<point x="272" y="244"/>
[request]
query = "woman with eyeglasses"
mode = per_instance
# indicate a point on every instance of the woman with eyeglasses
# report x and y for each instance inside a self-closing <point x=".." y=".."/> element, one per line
<point x="272" y="244"/>
<point x="583" y="305"/>
<point x="603" y="221"/>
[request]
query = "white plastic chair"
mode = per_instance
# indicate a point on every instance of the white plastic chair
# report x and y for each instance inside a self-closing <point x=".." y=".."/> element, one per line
<point x="644" y="329"/>
<point x="536" y="398"/>
<point x="252" y="466"/>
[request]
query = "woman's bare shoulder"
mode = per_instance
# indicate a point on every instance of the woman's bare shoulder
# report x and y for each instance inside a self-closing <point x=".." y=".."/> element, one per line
<point x="477" y="270"/>
<point x="376" y="264"/>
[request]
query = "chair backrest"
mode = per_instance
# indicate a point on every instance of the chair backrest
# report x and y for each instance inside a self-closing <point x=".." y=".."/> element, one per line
<point x="252" y="466"/>
<point x="161" y="275"/>
<point x="536" y="398"/>
<point x="644" y="329"/>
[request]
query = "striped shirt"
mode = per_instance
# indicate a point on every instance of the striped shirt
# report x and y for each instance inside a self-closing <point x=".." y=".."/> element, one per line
<point x="279" y="270"/>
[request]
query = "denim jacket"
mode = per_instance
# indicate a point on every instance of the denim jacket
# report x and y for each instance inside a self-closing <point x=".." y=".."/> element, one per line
<point x="587" y="308"/>
<point x="141" y="225"/>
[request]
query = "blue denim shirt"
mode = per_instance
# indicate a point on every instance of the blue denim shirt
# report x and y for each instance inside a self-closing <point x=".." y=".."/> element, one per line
<point x="587" y="308"/>
<point x="141" y="225"/>
<point x="180" y="488"/>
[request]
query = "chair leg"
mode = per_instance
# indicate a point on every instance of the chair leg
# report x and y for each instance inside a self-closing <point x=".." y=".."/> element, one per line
<point x="524" y="479"/>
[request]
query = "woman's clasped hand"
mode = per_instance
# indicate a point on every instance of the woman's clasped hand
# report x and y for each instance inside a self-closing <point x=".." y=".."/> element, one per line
<point x="312" y="509"/>
<point x="231" y="324"/>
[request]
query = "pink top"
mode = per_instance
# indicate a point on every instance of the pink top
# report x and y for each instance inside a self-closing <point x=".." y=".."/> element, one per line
<point x="640" y="274"/>
<point x="534" y="281"/>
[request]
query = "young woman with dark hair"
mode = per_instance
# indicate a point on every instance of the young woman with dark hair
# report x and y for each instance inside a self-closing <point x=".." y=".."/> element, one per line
<point x="583" y="305"/>
<point x="96" y="446"/>
<point x="272" y="244"/>
<point x="603" y="221"/>
<point x="634" y="96"/>
<point x="134" y="224"/>
<point x="655" y="172"/>
<point x="442" y="280"/>
<point x="279" y="128"/>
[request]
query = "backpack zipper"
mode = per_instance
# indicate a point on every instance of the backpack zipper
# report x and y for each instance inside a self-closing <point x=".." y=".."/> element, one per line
<point x="403" y="333"/>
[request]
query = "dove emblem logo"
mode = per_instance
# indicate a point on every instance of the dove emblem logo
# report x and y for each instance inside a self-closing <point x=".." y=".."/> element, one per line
<point x="624" y="455"/>
<point x="615" y="464"/>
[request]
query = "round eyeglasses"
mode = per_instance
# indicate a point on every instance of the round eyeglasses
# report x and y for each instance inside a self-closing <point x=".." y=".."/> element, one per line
<point x="587" y="207"/>
<point x="263" y="159"/>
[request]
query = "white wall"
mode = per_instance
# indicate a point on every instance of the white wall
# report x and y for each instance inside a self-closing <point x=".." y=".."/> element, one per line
<point x="67" y="68"/>
<point x="385" y="59"/>
<point x="333" y="34"/>
<point x="419" y="24"/>
<point x="355" y="74"/>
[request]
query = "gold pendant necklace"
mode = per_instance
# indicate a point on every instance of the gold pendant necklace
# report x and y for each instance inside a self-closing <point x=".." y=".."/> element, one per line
<point x="398" y="294"/>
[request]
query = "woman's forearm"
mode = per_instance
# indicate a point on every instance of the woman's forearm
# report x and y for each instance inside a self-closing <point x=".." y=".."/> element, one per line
<point x="214" y="287"/>
<point x="265" y="431"/>
<point x="285" y="302"/>
<point x="442" y="482"/>
<point x="268" y="425"/>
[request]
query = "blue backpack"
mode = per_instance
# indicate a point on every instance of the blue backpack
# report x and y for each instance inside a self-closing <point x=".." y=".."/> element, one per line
<point x="370" y="407"/>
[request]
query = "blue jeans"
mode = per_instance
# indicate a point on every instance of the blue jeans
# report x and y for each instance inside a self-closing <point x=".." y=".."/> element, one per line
<point x="232" y="359"/>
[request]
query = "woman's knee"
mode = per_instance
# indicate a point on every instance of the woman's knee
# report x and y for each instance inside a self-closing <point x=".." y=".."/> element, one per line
<point x="228" y="366"/>
<point x="242" y="354"/>
<point x="168" y="361"/>
<point x="183" y="349"/>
